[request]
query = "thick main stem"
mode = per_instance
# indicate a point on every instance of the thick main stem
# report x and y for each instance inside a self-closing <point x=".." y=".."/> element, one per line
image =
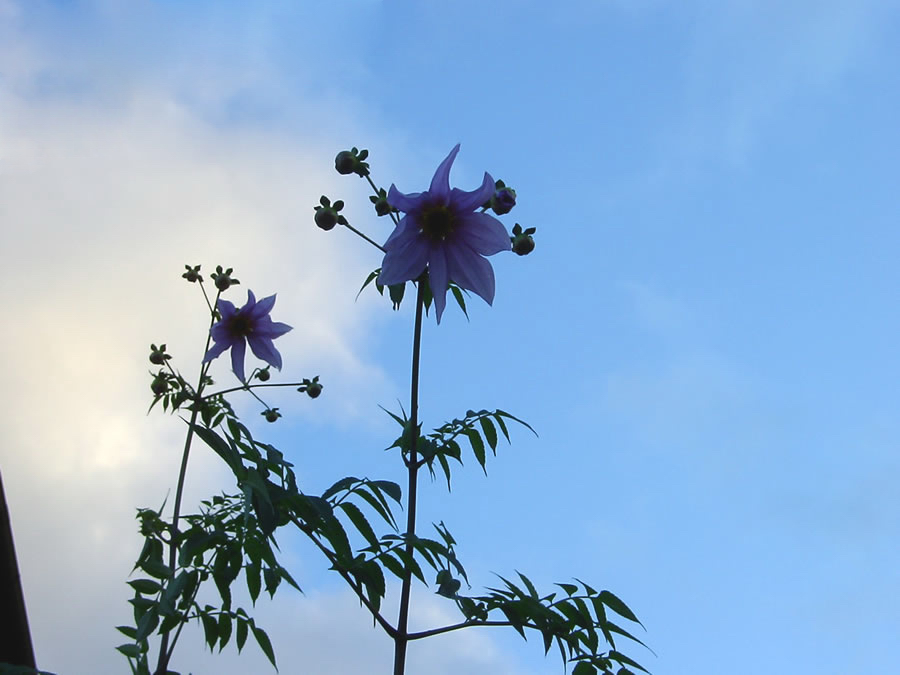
<point x="402" y="638"/>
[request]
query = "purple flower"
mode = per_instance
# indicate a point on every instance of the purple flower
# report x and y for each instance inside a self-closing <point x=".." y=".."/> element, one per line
<point x="443" y="231"/>
<point x="251" y="323"/>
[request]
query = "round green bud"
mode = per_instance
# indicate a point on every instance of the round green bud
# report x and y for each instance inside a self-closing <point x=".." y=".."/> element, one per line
<point x="522" y="244"/>
<point x="313" y="390"/>
<point x="345" y="162"/>
<point x="326" y="218"/>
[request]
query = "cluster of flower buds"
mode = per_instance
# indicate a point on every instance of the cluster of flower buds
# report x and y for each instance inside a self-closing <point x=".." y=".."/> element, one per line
<point x="327" y="214"/>
<point x="522" y="241"/>
<point x="193" y="273"/>
<point x="351" y="161"/>
<point x="311" y="387"/>
<point x="223" y="279"/>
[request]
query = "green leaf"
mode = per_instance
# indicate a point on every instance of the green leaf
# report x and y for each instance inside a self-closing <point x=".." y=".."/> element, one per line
<point x="619" y="607"/>
<point x="263" y="641"/>
<point x="477" y="447"/>
<point x="621" y="658"/>
<point x="359" y="521"/>
<point x="392" y="489"/>
<point x="127" y="631"/>
<point x="221" y="448"/>
<point x="272" y="579"/>
<point x="254" y="581"/>
<point x="340" y="486"/>
<point x="147" y="625"/>
<point x="584" y="668"/>
<point x="224" y="629"/>
<point x="460" y="300"/>
<point x="132" y="651"/>
<point x="379" y="507"/>
<point x="490" y="432"/>
<point x="145" y="586"/>
<point x="210" y="629"/>
<point x="241" y="632"/>
<point x="369" y="279"/>
<point x="570" y="589"/>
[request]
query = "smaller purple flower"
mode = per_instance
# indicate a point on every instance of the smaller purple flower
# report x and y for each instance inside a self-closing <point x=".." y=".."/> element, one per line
<point x="251" y="323"/>
<point x="443" y="231"/>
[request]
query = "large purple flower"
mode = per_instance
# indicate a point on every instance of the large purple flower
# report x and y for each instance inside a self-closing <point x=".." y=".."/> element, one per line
<point x="251" y="323"/>
<point x="443" y="231"/>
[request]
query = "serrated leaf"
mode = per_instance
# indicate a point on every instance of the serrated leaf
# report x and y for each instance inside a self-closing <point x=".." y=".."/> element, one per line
<point x="621" y="658"/>
<point x="490" y="432"/>
<point x="477" y="447"/>
<point x="264" y="643"/>
<point x="359" y="521"/>
<point x="570" y="589"/>
<point x="221" y="448"/>
<point x="392" y="489"/>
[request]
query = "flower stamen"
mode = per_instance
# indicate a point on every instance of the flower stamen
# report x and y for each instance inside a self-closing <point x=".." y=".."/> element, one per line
<point x="437" y="222"/>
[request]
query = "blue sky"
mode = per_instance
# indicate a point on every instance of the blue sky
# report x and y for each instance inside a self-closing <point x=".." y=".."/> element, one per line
<point x="703" y="338"/>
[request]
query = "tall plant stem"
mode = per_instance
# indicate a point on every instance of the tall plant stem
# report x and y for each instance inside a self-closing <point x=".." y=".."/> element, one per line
<point x="402" y="638"/>
<point x="165" y="653"/>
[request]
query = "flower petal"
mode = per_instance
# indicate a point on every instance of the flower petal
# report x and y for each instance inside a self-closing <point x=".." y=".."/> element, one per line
<point x="226" y="308"/>
<point x="470" y="271"/>
<point x="483" y="233"/>
<point x="440" y="184"/>
<point x="405" y="202"/>
<point x="263" y="307"/>
<point x="406" y="230"/>
<point x="216" y="350"/>
<point x="404" y="263"/>
<point x="469" y="201"/>
<point x="264" y="349"/>
<point x="437" y="278"/>
<point x="271" y="329"/>
<point x="251" y="300"/>
<point x="238" y="350"/>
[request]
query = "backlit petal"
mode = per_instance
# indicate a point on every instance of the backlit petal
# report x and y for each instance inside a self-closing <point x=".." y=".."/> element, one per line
<point x="264" y="349"/>
<point x="440" y="184"/>
<point x="405" y="202"/>
<point x="237" y="358"/>
<point x="263" y="307"/>
<point x="404" y="263"/>
<point x="407" y="230"/>
<point x="470" y="271"/>
<point x="483" y="233"/>
<point x="215" y="351"/>
<point x="469" y="201"/>
<point x="437" y="278"/>
<point x="271" y="329"/>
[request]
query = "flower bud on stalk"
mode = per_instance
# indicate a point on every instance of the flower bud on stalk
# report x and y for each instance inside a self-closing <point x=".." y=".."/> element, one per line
<point x="351" y="161"/>
<point x="504" y="199"/>
<point x="159" y="386"/>
<point x="158" y="355"/>
<point x="263" y="375"/>
<point x="223" y="279"/>
<point x="522" y="241"/>
<point x="271" y="414"/>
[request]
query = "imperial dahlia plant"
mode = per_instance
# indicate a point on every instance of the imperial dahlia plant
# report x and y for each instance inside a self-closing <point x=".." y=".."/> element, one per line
<point x="251" y="323"/>
<point x="443" y="232"/>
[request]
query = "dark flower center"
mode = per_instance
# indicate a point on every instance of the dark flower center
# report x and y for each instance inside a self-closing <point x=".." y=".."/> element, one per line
<point x="437" y="222"/>
<point x="240" y="325"/>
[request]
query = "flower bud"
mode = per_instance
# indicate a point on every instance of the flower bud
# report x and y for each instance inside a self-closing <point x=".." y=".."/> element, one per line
<point x="522" y="244"/>
<point x="345" y="162"/>
<point x="159" y="386"/>
<point x="193" y="273"/>
<point x="223" y="279"/>
<point x="326" y="218"/>
<point x="271" y="414"/>
<point x="314" y="389"/>
<point x="263" y="375"/>
<point x="503" y="201"/>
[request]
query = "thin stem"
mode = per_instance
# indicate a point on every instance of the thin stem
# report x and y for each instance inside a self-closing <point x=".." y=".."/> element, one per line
<point x="371" y="241"/>
<point x="458" y="626"/>
<point x="164" y="652"/>
<point x="377" y="194"/>
<point x="247" y="387"/>
<point x="402" y="637"/>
